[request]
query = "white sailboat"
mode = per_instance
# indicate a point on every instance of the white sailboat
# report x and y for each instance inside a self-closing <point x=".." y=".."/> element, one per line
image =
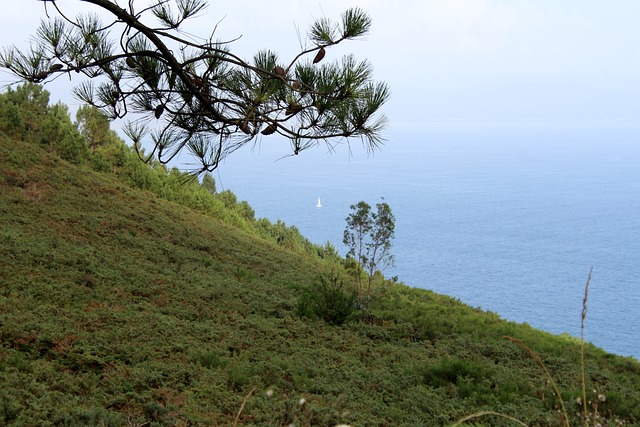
<point x="318" y="205"/>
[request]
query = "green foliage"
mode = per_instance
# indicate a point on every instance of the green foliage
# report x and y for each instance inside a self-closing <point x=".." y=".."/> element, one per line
<point x="210" y="359"/>
<point x="199" y="97"/>
<point x="25" y="114"/>
<point x="288" y="237"/>
<point x="357" y="229"/>
<point x="331" y="301"/>
<point x="245" y="210"/>
<point x="228" y="199"/>
<point x="94" y="126"/>
<point x="368" y="236"/>
<point x="23" y="110"/>
<point x="451" y="371"/>
<point x="92" y="142"/>
<point x="120" y="307"/>
<point x="328" y="251"/>
<point x="208" y="183"/>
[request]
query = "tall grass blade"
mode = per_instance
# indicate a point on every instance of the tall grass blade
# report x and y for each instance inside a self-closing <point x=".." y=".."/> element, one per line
<point x="549" y="376"/>
<point x="584" y="316"/>
<point x="483" y="413"/>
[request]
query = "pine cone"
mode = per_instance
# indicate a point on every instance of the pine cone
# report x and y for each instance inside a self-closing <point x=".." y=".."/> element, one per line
<point x="319" y="56"/>
<point x="41" y="75"/>
<point x="244" y="127"/>
<point x="159" y="110"/>
<point x="293" y="109"/>
<point x="270" y="129"/>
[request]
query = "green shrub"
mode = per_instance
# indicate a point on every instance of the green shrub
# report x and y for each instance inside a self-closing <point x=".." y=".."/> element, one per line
<point x="452" y="371"/>
<point x="238" y="376"/>
<point x="9" y="409"/>
<point x="331" y="301"/>
<point x="210" y="359"/>
<point x="245" y="210"/>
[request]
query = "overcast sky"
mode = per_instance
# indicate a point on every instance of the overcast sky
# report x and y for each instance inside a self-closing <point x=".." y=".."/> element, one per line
<point x="488" y="60"/>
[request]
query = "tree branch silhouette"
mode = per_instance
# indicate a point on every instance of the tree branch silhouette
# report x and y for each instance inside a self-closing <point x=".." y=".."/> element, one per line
<point x="195" y="95"/>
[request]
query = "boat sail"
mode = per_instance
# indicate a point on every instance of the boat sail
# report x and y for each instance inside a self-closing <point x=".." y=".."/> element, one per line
<point x="318" y="205"/>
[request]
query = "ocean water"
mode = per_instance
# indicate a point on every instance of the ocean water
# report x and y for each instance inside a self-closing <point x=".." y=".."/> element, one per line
<point x="506" y="217"/>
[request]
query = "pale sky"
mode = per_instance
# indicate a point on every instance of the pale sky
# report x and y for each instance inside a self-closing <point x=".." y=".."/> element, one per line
<point x="477" y="60"/>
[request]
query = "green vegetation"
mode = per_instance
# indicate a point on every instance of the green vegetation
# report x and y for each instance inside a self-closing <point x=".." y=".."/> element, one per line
<point x="25" y="114"/>
<point x="330" y="300"/>
<point x="368" y="236"/>
<point x="133" y="296"/>
<point x="191" y="93"/>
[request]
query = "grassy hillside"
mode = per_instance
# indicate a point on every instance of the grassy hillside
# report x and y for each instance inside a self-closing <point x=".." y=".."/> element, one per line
<point x="119" y="308"/>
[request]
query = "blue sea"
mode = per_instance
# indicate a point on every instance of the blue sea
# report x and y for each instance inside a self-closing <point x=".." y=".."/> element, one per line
<point x="506" y="217"/>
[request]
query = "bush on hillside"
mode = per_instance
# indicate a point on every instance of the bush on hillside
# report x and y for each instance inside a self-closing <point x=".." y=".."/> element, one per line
<point x="331" y="301"/>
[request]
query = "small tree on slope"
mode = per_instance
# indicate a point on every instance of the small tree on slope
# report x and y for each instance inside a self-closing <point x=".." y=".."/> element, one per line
<point x="368" y="236"/>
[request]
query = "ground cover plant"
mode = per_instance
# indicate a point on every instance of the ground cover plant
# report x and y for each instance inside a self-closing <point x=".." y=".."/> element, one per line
<point x="119" y="306"/>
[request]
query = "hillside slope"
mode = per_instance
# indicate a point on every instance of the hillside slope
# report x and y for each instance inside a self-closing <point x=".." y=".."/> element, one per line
<point x="120" y="308"/>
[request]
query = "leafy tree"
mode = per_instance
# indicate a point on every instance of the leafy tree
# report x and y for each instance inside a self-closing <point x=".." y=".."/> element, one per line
<point x="228" y="198"/>
<point x="23" y="111"/>
<point x="368" y="236"/>
<point x="355" y="235"/>
<point x="194" y="94"/>
<point x="61" y="135"/>
<point x="245" y="210"/>
<point x="95" y="127"/>
<point x="25" y="114"/>
<point x="209" y="183"/>
<point x="108" y="151"/>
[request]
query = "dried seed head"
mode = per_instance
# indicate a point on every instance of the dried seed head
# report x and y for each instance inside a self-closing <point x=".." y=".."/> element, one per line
<point x="56" y="67"/>
<point x="319" y="56"/>
<point x="278" y="70"/>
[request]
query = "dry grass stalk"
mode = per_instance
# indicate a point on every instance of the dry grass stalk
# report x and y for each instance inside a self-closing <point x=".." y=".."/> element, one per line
<point x="244" y="402"/>
<point x="584" y="316"/>
<point x="483" y="413"/>
<point x="549" y="376"/>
